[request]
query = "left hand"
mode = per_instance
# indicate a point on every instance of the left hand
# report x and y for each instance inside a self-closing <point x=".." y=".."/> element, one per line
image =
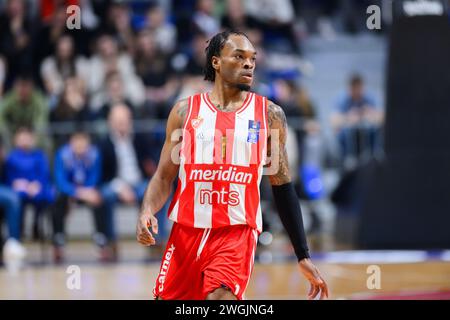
<point x="312" y="274"/>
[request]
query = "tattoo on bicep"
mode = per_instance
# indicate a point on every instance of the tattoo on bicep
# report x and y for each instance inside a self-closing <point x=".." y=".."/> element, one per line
<point x="277" y="121"/>
<point x="276" y="114"/>
<point x="182" y="109"/>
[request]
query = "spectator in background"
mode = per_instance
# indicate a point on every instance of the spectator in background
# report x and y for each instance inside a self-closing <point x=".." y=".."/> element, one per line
<point x="196" y="61"/>
<point x="164" y="33"/>
<point x="106" y="60"/>
<point x="308" y="151"/>
<point x="10" y="207"/>
<point x="114" y="93"/>
<point x="357" y="121"/>
<point x="24" y="106"/>
<point x="276" y="19"/>
<point x="50" y="32"/>
<point x="236" y="18"/>
<point x="62" y="65"/>
<point x="49" y="9"/>
<point x="71" y="106"/>
<point x="77" y="174"/>
<point x="27" y="173"/>
<point x="129" y="162"/>
<point x="153" y="67"/>
<point x="203" y="18"/>
<point x="118" y="24"/>
<point x="16" y="40"/>
<point x="193" y="81"/>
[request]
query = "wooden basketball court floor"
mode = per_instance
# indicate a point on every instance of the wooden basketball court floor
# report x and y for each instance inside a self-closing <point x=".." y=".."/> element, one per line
<point x="403" y="275"/>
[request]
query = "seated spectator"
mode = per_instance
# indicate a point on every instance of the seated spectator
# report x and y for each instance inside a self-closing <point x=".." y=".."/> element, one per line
<point x="276" y="19"/>
<point x="54" y="18"/>
<point x="24" y="106"/>
<point x="203" y="18"/>
<point x="50" y="31"/>
<point x="154" y="69"/>
<point x="71" y="106"/>
<point x="77" y="174"/>
<point x="165" y="33"/>
<point x="62" y="65"/>
<point x="107" y="59"/>
<point x="10" y="207"/>
<point x="27" y="173"/>
<point x="118" y="24"/>
<point x="357" y="121"/>
<point x="16" y="39"/>
<point x="129" y="162"/>
<point x="114" y="93"/>
<point x="235" y="17"/>
<point x="192" y="81"/>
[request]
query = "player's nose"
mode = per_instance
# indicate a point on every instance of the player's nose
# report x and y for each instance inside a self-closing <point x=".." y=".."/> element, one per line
<point x="249" y="64"/>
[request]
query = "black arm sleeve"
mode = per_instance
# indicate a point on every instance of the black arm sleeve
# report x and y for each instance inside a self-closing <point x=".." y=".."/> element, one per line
<point x="288" y="207"/>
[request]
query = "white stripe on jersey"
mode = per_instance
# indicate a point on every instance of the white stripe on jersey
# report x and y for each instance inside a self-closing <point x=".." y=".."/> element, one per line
<point x="202" y="211"/>
<point x="241" y="156"/>
<point x="204" y="135"/>
<point x="235" y="212"/>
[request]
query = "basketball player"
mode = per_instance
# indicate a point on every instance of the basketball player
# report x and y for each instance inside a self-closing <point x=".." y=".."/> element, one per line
<point x="226" y="137"/>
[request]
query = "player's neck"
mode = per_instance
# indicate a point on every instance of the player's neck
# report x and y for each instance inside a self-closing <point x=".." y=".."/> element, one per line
<point x="225" y="96"/>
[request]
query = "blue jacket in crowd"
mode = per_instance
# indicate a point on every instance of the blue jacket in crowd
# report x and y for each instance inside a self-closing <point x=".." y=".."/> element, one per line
<point x="31" y="165"/>
<point x="72" y="171"/>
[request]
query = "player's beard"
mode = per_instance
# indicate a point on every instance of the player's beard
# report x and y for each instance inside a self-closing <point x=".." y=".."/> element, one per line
<point x="243" y="87"/>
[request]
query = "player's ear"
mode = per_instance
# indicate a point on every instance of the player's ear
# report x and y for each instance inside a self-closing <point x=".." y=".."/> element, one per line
<point x="215" y="61"/>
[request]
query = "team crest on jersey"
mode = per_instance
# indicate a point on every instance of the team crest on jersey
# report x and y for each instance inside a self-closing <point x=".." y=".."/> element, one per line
<point x="196" y="122"/>
<point x="253" y="131"/>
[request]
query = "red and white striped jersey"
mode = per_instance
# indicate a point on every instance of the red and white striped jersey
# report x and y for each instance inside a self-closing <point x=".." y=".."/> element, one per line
<point x="221" y="164"/>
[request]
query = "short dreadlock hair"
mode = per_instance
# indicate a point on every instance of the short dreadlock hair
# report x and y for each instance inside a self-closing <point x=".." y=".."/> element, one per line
<point x="215" y="45"/>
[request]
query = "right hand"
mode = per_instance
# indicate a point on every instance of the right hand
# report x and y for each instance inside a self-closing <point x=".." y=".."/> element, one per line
<point x="126" y="194"/>
<point x="34" y="188"/>
<point x="143" y="234"/>
<point x="89" y="195"/>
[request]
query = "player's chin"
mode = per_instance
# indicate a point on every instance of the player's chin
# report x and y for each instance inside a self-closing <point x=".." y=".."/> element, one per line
<point x="244" y="86"/>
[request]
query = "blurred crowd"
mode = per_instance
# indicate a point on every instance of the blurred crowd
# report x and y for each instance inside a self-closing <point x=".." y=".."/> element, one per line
<point x="82" y="110"/>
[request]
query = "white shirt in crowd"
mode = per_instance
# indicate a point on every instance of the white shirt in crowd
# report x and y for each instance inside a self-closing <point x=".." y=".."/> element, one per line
<point x="127" y="163"/>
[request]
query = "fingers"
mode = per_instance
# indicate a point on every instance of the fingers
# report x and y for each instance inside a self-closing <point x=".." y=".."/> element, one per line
<point x="143" y="234"/>
<point x="318" y="285"/>
<point x="315" y="290"/>
<point x="144" y="223"/>
<point x="145" y="237"/>
<point x="323" y="294"/>
<point x="324" y="290"/>
<point x="154" y="224"/>
<point x="146" y="240"/>
<point x="311" y="289"/>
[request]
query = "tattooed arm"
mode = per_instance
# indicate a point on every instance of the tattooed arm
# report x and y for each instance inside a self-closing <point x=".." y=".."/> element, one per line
<point x="277" y="121"/>
<point x="287" y="203"/>
<point x="160" y="186"/>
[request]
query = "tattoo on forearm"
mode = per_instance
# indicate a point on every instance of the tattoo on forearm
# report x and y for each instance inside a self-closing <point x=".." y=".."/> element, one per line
<point x="277" y="121"/>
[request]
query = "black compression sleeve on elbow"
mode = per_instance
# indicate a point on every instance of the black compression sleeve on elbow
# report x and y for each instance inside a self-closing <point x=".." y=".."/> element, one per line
<point x="288" y="207"/>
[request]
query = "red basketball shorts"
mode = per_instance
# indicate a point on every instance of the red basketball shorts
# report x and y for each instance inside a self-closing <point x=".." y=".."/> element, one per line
<point x="198" y="261"/>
